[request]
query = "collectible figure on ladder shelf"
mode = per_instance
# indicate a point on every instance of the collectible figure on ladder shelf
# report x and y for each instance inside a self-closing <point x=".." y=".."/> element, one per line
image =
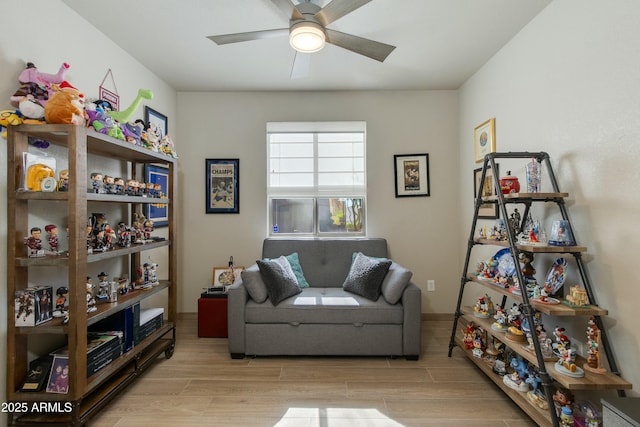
<point x="594" y="342"/>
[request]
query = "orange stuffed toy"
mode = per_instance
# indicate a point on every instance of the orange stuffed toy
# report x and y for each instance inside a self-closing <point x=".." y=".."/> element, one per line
<point x="65" y="106"/>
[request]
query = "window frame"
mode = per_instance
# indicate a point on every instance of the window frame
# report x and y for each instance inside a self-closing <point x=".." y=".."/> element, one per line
<point x="317" y="192"/>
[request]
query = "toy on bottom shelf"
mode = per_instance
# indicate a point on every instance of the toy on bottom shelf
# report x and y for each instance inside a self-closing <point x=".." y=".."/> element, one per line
<point x="562" y="398"/>
<point x="516" y="380"/>
<point x="594" y="342"/>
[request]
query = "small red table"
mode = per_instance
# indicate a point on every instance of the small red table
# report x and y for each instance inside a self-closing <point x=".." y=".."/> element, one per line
<point x="212" y="315"/>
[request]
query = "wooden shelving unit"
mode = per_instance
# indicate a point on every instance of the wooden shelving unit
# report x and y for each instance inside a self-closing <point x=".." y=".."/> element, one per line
<point x="86" y="394"/>
<point x="550" y="378"/>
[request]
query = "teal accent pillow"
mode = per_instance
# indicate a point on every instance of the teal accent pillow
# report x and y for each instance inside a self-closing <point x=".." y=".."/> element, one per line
<point x="365" y="276"/>
<point x="294" y="262"/>
<point x="279" y="279"/>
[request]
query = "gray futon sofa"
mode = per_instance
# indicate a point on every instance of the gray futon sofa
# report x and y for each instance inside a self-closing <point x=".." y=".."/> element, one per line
<point x="324" y="318"/>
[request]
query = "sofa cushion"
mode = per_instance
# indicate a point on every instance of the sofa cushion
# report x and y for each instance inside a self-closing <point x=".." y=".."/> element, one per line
<point x="279" y="279"/>
<point x="252" y="281"/>
<point x="366" y="275"/>
<point x="394" y="283"/>
<point x="325" y="306"/>
<point x="294" y="262"/>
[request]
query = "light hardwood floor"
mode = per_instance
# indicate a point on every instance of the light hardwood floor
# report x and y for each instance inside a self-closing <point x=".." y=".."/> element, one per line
<point x="202" y="386"/>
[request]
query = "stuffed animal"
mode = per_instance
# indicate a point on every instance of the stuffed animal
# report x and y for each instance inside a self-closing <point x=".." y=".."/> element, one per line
<point x="125" y="115"/>
<point x="101" y="122"/>
<point x="65" y="106"/>
<point x="35" y="90"/>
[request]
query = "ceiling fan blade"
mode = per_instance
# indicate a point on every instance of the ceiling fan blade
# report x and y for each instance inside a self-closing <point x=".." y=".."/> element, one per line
<point x="369" y="48"/>
<point x="301" y="66"/>
<point x="245" y="37"/>
<point x="337" y="9"/>
<point x="287" y="8"/>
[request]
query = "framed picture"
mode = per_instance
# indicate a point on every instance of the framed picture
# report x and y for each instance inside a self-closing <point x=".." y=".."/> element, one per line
<point x="487" y="210"/>
<point x="59" y="375"/>
<point x="226" y="276"/>
<point x="223" y="185"/>
<point x="159" y="177"/>
<point x="484" y="139"/>
<point x="157" y="121"/>
<point x="412" y="174"/>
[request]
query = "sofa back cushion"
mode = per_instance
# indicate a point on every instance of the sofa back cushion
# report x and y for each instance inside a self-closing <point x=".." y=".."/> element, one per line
<point x="325" y="262"/>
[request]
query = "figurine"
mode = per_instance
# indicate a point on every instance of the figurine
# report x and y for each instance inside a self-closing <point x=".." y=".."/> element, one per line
<point x="577" y="297"/>
<point x="514" y="331"/>
<point x="536" y="396"/>
<point x="61" y="302"/>
<point x="501" y="320"/>
<point x="566" y="417"/>
<point x="562" y="398"/>
<point x="91" y="301"/>
<point x="96" y="183"/>
<point x="131" y="187"/>
<point x="118" y="185"/>
<point x="103" y="287"/>
<point x="63" y="180"/>
<point x="52" y="233"/>
<point x="526" y="258"/>
<point x="483" y="307"/>
<point x="514" y="381"/>
<point x="34" y="242"/>
<point x="593" y="342"/>
<point x="468" y="336"/>
<point x="108" y="184"/>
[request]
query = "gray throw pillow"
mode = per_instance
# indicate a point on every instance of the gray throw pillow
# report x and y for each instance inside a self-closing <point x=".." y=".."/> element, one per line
<point x="395" y="282"/>
<point x="252" y="281"/>
<point x="365" y="276"/>
<point x="279" y="279"/>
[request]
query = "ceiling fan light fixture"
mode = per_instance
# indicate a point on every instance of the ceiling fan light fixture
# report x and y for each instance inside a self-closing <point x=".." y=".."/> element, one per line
<point x="307" y="37"/>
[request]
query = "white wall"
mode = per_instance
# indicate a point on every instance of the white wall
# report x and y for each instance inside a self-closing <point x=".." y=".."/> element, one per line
<point x="569" y="84"/>
<point x="90" y="55"/>
<point x="233" y="125"/>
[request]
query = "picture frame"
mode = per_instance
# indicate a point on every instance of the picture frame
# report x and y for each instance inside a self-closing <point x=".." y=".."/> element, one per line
<point x="223" y="185"/>
<point x="484" y="139"/>
<point x="157" y="119"/>
<point x="226" y="276"/>
<point x="157" y="212"/>
<point x="59" y="376"/>
<point x="486" y="210"/>
<point x="412" y="175"/>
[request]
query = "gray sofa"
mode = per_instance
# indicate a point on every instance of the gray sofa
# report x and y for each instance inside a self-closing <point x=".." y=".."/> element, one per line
<point x="324" y="319"/>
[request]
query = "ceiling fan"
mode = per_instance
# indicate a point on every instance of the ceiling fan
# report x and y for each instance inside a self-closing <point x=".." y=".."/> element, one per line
<point x="308" y="31"/>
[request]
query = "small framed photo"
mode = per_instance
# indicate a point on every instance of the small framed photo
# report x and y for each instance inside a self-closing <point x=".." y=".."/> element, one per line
<point x="484" y="139"/>
<point x="158" y="176"/>
<point x="412" y="175"/>
<point x="487" y="210"/>
<point x="223" y="185"/>
<point x="59" y="375"/>
<point x="225" y="276"/>
<point x="156" y="121"/>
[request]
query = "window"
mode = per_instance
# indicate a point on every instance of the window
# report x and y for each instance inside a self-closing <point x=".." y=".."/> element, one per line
<point x="316" y="183"/>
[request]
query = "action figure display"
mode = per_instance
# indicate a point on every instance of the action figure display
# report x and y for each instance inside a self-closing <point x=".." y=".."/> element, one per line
<point x="34" y="242"/>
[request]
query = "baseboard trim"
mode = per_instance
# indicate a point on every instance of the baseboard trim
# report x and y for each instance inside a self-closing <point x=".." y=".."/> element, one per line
<point x="437" y="316"/>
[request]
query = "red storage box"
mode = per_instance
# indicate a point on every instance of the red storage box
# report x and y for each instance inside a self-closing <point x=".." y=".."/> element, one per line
<point x="212" y="315"/>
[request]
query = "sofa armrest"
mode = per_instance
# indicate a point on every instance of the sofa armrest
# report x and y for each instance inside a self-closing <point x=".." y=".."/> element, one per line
<point x="412" y="326"/>
<point x="237" y="300"/>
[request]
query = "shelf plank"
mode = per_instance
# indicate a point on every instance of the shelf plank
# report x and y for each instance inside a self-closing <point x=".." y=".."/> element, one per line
<point x="63" y="260"/>
<point x="560" y="310"/>
<point x="541" y="416"/>
<point x="590" y="381"/>
<point x="533" y="248"/>
<point x="97" y="143"/>
<point x="522" y="197"/>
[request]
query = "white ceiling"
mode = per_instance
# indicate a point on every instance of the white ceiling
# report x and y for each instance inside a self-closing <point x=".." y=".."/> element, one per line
<point x="439" y="43"/>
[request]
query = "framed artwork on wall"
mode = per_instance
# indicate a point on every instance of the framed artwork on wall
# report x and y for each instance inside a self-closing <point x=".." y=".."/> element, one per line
<point x="487" y="210"/>
<point x="223" y="185"/>
<point x="159" y="177"/>
<point x="225" y="276"/>
<point x="157" y="121"/>
<point x="484" y="139"/>
<point x="411" y="174"/>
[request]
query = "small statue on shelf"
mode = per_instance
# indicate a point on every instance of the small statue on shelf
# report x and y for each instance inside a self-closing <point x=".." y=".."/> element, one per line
<point x="91" y="301"/>
<point x="593" y="353"/>
<point x="34" y="242"/>
<point x="103" y="287"/>
<point x="501" y="320"/>
<point x="562" y="398"/>
<point x="61" y="302"/>
<point x="483" y="307"/>
<point x="63" y="180"/>
<point x="118" y="185"/>
<point x="52" y="237"/>
<point x="96" y="183"/>
<point x="108" y="184"/>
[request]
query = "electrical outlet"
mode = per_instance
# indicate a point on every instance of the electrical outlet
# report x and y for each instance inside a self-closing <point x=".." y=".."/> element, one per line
<point x="431" y="285"/>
